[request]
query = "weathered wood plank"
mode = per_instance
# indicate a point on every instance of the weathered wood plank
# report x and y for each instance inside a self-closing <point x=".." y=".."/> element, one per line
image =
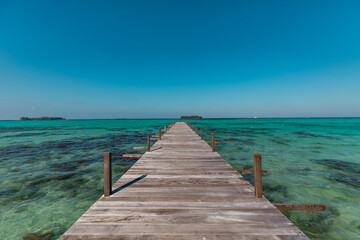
<point x="178" y="218"/>
<point x="186" y="237"/>
<point x="139" y="229"/>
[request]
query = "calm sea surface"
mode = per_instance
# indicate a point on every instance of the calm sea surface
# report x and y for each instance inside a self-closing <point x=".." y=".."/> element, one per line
<point x="51" y="172"/>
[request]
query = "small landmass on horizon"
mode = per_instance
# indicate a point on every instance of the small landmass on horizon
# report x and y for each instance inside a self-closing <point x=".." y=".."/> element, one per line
<point x="191" y="117"/>
<point x="42" y="118"/>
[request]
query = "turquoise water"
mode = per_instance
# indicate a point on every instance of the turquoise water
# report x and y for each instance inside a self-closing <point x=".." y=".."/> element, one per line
<point x="52" y="171"/>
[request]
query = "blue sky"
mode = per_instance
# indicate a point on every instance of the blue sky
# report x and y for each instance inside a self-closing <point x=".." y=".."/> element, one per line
<point x="140" y="59"/>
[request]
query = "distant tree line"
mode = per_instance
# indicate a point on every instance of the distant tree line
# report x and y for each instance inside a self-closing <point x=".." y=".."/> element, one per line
<point x="42" y="118"/>
<point x="191" y="117"/>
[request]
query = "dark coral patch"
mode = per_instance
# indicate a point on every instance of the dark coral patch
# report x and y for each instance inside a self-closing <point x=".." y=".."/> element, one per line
<point x="39" y="236"/>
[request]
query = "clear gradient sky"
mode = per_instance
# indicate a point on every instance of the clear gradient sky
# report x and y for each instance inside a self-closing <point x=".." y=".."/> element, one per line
<point x="140" y="59"/>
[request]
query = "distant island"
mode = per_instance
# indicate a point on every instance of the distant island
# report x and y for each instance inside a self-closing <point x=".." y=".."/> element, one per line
<point x="42" y="118"/>
<point x="191" y="117"/>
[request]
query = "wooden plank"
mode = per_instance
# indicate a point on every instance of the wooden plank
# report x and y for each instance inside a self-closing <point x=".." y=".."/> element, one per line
<point x="220" y="236"/>
<point x="299" y="207"/>
<point x="176" y="229"/>
<point x="177" y="217"/>
<point x="182" y="190"/>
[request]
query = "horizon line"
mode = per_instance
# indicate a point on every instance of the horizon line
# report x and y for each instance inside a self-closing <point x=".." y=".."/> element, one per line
<point x="204" y="118"/>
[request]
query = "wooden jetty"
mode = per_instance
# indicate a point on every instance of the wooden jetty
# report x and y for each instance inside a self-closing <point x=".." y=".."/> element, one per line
<point x="182" y="189"/>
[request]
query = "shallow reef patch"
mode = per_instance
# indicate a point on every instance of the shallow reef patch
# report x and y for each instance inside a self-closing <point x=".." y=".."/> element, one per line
<point x="39" y="236"/>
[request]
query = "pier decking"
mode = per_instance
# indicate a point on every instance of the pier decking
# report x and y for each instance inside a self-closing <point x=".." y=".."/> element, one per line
<point x="182" y="190"/>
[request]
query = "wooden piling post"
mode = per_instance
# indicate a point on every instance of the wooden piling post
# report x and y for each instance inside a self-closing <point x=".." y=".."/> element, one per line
<point x="159" y="133"/>
<point x="213" y="141"/>
<point x="148" y="142"/>
<point x="257" y="175"/>
<point x="107" y="174"/>
<point x="202" y="134"/>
